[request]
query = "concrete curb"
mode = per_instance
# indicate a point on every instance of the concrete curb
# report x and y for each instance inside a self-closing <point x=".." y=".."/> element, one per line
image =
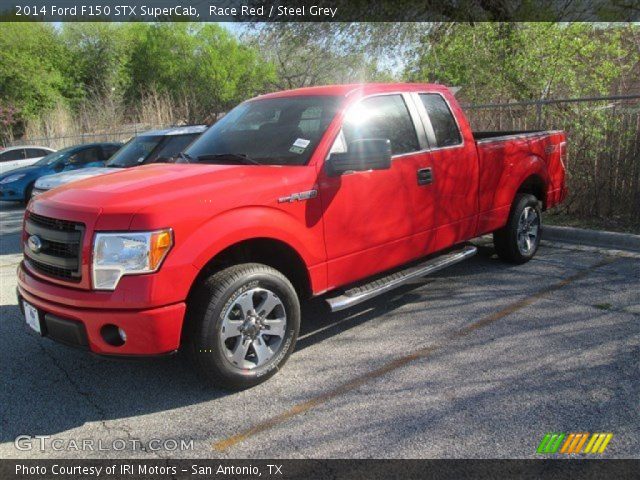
<point x="595" y="238"/>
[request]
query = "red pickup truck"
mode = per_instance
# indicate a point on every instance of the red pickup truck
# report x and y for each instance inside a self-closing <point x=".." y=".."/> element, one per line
<point x="345" y="191"/>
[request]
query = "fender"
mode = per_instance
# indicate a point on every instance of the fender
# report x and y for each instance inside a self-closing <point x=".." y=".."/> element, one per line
<point x="495" y="206"/>
<point x="521" y="170"/>
<point x="252" y="222"/>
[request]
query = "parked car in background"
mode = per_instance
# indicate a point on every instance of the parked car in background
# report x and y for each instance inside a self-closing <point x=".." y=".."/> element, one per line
<point x="150" y="147"/>
<point x="17" y="184"/>
<point x="21" y="156"/>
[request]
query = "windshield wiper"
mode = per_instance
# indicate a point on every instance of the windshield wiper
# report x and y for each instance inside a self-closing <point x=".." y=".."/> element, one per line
<point x="186" y="157"/>
<point x="239" y="157"/>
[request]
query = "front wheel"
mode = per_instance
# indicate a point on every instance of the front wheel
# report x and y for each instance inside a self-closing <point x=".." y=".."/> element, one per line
<point x="518" y="241"/>
<point x="243" y="325"/>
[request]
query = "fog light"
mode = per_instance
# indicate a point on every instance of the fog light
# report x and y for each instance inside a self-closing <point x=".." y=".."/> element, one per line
<point x="113" y="335"/>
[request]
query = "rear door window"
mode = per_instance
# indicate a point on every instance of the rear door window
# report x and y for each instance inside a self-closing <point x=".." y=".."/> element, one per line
<point x="87" y="155"/>
<point x="17" y="154"/>
<point x="36" y="152"/>
<point x="442" y="120"/>
<point x="382" y="117"/>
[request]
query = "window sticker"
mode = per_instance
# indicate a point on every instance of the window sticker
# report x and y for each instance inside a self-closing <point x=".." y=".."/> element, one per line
<point x="302" y="143"/>
<point x="299" y="145"/>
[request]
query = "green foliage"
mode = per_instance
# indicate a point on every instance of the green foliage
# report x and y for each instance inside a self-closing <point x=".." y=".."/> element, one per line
<point x="203" y="63"/>
<point x="31" y="69"/>
<point x="202" y="67"/>
<point x="96" y="53"/>
<point x="523" y="61"/>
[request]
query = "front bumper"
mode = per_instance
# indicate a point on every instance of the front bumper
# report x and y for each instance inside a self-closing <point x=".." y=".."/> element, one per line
<point x="153" y="331"/>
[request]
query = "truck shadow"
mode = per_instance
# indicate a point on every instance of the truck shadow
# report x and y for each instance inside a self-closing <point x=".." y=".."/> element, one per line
<point x="49" y="388"/>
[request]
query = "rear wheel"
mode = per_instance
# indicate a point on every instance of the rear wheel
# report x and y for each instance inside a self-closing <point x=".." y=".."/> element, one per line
<point x="244" y="322"/>
<point x="518" y="241"/>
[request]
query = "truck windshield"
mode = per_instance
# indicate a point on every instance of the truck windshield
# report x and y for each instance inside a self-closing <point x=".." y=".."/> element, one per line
<point x="270" y="131"/>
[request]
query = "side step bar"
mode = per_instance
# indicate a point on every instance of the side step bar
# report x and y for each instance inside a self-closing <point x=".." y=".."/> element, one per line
<point x="382" y="285"/>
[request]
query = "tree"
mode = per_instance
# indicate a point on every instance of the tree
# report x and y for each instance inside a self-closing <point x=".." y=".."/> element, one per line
<point x="522" y="61"/>
<point x="306" y="54"/>
<point x="31" y="70"/>
<point x="201" y="65"/>
<point x="97" y="54"/>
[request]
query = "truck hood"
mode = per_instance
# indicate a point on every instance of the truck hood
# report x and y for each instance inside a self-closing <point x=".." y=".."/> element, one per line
<point x="52" y="181"/>
<point x="152" y="191"/>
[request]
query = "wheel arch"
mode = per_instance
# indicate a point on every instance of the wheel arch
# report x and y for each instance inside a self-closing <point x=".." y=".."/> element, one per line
<point x="536" y="186"/>
<point x="266" y="250"/>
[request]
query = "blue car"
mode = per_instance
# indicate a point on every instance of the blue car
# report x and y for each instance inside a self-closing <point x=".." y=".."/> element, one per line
<point x="18" y="183"/>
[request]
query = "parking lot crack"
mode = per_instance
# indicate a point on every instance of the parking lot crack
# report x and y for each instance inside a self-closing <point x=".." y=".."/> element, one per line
<point x="76" y="388"/>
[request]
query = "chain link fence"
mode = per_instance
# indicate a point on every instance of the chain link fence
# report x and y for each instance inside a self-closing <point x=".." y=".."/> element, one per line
<point x="603" y="139"/>
<point x="57" y="142"/>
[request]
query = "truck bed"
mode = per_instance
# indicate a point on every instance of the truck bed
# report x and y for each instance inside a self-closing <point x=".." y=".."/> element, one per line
<point x="490" y="135"/>
<point x="515" y="155"/>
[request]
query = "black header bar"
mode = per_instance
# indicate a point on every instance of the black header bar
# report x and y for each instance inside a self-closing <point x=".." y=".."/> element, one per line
<point x="321" y="10"/>
<point x="317" y="469"/>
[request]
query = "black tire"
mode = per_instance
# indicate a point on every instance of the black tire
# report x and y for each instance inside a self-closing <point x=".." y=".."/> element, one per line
<point x="505" y="240"/>
<point x="205" y="318"/>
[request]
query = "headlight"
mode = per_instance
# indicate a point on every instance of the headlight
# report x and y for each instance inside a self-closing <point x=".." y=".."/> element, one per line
<point x="12" y="178"/>
<point x="127" y="253"/>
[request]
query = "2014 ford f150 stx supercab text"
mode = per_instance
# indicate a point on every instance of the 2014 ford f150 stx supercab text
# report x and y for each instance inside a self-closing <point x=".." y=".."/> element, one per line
<point x="345" y="191"/>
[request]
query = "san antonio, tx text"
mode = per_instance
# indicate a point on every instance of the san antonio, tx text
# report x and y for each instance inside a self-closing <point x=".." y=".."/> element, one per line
<point x="141" y="469"/>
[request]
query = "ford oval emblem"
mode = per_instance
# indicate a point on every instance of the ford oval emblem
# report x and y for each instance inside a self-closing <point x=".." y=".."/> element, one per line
<point x="34" y="243"/>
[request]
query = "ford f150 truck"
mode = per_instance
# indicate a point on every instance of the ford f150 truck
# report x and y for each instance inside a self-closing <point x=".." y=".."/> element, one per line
<point x="345" y="191"/>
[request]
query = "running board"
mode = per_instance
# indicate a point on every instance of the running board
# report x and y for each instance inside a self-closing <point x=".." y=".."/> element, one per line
<point x="382" y="285"/>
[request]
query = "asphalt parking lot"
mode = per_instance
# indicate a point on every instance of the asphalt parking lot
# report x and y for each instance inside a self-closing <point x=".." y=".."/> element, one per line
<point x="477" y="361"/>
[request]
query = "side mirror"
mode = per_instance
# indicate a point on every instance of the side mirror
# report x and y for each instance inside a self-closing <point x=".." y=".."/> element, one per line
<point x="58" y="167"/>
<point x="361" y="155"/>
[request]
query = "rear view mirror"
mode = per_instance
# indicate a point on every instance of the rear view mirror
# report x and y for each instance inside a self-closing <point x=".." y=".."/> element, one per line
<point x="361" y="155"/>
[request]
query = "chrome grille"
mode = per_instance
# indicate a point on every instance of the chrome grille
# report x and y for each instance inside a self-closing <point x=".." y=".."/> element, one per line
<point x="60" y="247"/>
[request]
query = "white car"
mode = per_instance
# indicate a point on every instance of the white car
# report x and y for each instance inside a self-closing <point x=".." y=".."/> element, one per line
<point x="21" y="156"/>
<point x="149" y="147"/>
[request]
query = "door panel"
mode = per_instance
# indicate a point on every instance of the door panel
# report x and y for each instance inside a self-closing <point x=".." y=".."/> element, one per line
<point x="363" y="213"/>
<point x="455" y="171"/>
<point x="371" y="218"/>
